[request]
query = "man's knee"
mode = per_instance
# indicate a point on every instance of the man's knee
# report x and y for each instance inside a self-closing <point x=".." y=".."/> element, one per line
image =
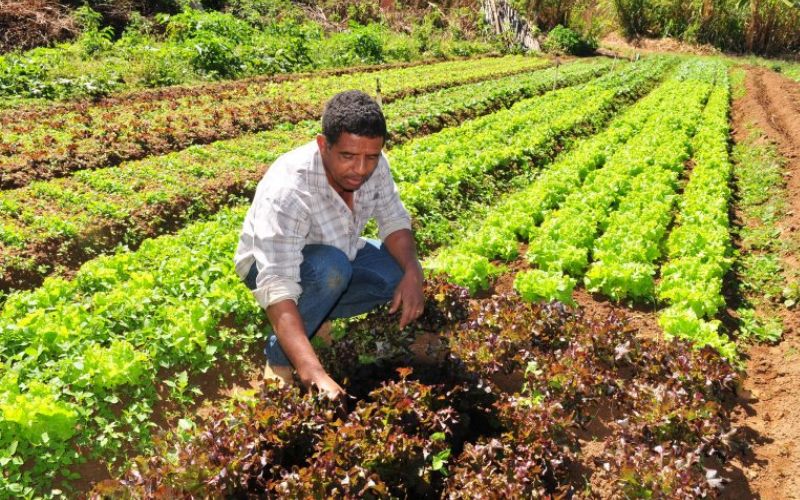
<point x="389" y="273"/>
<point x="392" y="276"/>
<point x="327" y="266"/>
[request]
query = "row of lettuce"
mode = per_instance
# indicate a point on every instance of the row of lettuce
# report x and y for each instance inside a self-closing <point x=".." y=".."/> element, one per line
<point x="93" y="210"/>
<point x="52" y="142"/>
<point x="602" y="213"/>
<point x="83" y="360"/>
<point x="450" y="175"/>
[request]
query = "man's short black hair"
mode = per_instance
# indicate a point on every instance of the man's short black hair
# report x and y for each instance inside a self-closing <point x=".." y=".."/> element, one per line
<point x="354" y="112"/>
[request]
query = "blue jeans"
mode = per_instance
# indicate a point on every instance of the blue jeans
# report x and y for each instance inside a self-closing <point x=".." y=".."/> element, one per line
<point x="334" y="287"/>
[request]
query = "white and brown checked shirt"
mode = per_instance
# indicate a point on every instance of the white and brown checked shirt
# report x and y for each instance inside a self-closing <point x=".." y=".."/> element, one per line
<point x="295" y="206"/>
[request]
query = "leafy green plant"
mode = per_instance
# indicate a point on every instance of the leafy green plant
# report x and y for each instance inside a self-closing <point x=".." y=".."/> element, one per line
<point x="94" y="38"/>
<point x="535" y="285"/>
<point x="791" y="294"/>
<point x="685" y="324"/>
<point x="470" y="271"/>
<point x="753" y="326"/>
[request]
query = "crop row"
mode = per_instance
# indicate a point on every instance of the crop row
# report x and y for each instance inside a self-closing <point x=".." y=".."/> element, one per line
<point x="447" y="107"/>
<point x="37" y="110"/>
<point x="441" y="175"/>
<point x="85" y="343"/>
<point x="99" y="136"/>
<point x="457" y="428"/>
<point x="630" y="200"/>
<point x="699" y="246"/>
<point x="517" y="216"/>
<point x="63" y="222"/>
<point x="613" y="228"/>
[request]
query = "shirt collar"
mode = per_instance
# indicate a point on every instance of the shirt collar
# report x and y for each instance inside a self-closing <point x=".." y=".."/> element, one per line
<point x="315" y="175"/>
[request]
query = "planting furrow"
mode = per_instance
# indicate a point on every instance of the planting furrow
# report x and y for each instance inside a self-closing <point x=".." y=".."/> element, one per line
<point x="128" y="322"/>
<point x="40" y="111"/>
<point x="101" y="136"/>
<point x="448" y="107"/>
<point x="64" y="222"/>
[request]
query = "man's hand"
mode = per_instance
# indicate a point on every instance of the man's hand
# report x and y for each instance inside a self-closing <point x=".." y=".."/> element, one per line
<point x="409" y="294"/>
<point x="403" y="248"/>
<point x="289" y="328"/>
<point x="317" y="377"/>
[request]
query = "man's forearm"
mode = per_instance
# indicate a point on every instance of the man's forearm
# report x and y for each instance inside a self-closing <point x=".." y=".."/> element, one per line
<point x="403" y="248"/>
<point x="291" y="333"/>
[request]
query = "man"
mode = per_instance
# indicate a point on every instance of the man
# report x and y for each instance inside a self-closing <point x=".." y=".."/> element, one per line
<point x="300" y="250"/>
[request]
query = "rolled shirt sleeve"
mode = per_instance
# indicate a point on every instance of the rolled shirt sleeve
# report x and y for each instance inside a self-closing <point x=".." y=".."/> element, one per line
<point x="281" y="223"/>
<point x="390" y="213"/>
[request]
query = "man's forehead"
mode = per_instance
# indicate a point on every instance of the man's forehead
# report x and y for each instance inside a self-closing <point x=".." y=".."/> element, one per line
<point x="352" y="143"/>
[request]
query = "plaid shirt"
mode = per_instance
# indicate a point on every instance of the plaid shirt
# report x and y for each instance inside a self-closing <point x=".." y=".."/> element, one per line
<point x="295" y="206"/>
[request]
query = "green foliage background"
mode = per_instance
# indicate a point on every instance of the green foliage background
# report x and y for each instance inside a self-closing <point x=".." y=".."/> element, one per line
<point x="246" y="38"/>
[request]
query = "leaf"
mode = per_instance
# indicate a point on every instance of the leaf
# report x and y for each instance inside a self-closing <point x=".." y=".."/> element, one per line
<point x="439" y="459"/>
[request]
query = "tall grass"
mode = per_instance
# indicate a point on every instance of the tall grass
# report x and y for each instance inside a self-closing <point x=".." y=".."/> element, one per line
<point x="767" y="27"/>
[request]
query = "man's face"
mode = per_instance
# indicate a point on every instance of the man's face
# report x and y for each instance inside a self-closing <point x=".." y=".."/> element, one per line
<point x="350" y="161"/>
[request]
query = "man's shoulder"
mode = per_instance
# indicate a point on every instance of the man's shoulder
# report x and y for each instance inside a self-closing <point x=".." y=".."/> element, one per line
<point x="289" y="170"/>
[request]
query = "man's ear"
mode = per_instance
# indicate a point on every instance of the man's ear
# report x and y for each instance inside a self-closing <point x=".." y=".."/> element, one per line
<point x="322" y="143"/>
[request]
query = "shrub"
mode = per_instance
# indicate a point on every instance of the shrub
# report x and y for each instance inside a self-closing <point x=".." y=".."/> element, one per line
<point x="358" y="45"/>
<point x="400" y="47"/>
<point x="427" y="35"/>
<point x="214" y="56"/>
<point x="191" y="24"/>
<point x="263" y="13"/>
<point x="94" y="38"/>
<point x="563" y="40"/>
<point x="366" y="44"/>
<point x="163" y="67"/>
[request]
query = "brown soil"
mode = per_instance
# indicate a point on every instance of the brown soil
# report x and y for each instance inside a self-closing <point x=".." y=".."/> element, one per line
<point x="768" y="412"/>
<point x="617" y="43"/>
<point x="643" y="318"/>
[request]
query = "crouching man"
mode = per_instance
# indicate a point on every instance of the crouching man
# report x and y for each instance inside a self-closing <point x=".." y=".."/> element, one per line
<point x="300" y="249"/>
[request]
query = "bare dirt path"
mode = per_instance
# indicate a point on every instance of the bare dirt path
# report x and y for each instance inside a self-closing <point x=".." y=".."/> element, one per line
<point x="768" y="413"/>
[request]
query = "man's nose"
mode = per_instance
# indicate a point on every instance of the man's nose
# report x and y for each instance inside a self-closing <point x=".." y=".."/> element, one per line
<point x="362" y="166"/>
